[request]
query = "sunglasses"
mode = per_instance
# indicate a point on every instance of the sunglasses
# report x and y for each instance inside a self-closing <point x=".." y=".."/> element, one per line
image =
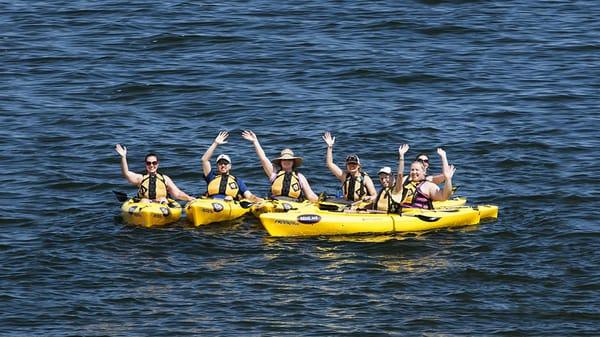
<point x="148" y="163"/>
<point x="423" y="160"/>
<point x="222" y="162"/>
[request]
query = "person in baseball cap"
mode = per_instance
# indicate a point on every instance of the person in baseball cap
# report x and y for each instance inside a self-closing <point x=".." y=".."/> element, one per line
<point x="356" y="184"/>
<point x="388" y="197"/>
<point x="221" y="183"/>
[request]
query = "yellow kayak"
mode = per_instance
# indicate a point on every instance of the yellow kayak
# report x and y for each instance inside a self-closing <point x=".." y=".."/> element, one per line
<point x="452" y="202"/>
<point x="150" y="214"/>
<point x="269" y="206"/>
<point x="208" y="210"/>
<point x="310" y="222"/>
<point x="275" y="205"/>
<point x="488" y="211"/>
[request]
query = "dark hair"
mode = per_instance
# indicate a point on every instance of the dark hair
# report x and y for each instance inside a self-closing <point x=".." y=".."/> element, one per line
<point x="422" y="154"/>
<point x="421" y="164"/>
<point x="151" y="154"/>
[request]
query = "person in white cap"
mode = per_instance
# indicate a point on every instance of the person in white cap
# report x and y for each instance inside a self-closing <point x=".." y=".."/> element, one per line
<point x="153" y="185"/>
<point x="285" y="180"/>
<point x="386" y="199"/>
<point x="356" y="184"/>
<point x="221" y="184"/>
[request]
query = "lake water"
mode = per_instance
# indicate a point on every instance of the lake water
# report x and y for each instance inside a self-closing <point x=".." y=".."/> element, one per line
<point x="509" y="89"/>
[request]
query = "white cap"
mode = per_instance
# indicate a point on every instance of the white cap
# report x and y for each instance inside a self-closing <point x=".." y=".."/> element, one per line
<point x="224" y="157"/>
<point x="386" y="170"/>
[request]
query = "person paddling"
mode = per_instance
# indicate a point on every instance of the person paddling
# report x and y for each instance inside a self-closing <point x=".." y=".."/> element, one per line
<point x="221" y="184"/>
<point x="285" y="180"/>
<point x="152" y="186"/>
<point x="356" y="184"/>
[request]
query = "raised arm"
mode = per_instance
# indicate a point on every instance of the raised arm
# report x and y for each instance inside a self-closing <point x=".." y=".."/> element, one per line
<point x="221" y="139"/>
<point x="448" y="172"/>
<point x="264" y="161"/>
<point x="175" y="191"/>
<point x="329" y="157"/>
<point x="399" y="179"/>
<point x="132" y="177"/>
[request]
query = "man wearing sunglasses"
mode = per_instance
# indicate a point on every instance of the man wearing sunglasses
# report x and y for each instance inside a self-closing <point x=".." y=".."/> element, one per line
<point x="221" y="184"/>
<point x="152" y="186"/>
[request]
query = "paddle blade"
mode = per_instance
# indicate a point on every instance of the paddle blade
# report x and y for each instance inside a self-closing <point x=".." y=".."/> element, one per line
<point x="121" y="196"/>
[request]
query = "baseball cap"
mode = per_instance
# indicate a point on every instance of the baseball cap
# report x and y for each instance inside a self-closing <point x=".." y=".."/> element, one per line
<point x="224" y="157"/>
<point x="353" y="159"/>
<point x="386" y="170"/>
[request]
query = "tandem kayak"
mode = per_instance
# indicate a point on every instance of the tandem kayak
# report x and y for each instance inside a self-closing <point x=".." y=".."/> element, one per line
<point x="205" y="211"/>
<point x="150" y="214"/>
<point x="311" y="222"/>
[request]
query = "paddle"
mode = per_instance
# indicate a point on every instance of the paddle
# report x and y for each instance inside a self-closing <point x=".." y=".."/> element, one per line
<point x="121" y="196"/>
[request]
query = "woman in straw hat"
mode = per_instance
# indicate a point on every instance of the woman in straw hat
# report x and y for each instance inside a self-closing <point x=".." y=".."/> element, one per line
<point x="356" y="184"/>
<point x="285" y="181"/>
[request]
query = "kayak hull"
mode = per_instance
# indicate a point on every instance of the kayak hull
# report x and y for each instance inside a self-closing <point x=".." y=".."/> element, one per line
<point x="314" y="223"/>
<point x="488" y="211"/>
<point x="150" y="214"/>
<point x="205" y="211"/>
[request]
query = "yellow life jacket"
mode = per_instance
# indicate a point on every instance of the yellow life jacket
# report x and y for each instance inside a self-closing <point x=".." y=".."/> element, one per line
<point x="385" y="202"/>
<point x="286" y="184"/>
<point x="224" y="184"/>
<point x="354" y="187"/>
<point x="412" y="196"/>
<point x="153" y="187"/>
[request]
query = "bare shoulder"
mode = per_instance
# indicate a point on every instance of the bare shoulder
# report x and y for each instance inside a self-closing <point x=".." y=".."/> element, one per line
<point x="168" y="179"/>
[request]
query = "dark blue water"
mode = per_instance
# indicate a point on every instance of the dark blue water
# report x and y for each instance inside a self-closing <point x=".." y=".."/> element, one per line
<point x="509" y="89"/>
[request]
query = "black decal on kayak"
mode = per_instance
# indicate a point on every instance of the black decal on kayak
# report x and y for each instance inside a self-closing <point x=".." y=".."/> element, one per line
<point x="217" y="207"/>
<point x="428" y="218"/>
<point x="309" y="218"/>
<point x="285" y="222"/>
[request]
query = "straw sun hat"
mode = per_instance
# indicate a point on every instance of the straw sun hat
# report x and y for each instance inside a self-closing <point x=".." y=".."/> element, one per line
<point x="287" y="154"/>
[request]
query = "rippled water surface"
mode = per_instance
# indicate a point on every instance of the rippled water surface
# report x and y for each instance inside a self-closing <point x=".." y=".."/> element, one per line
<point x="509" y="89"/>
